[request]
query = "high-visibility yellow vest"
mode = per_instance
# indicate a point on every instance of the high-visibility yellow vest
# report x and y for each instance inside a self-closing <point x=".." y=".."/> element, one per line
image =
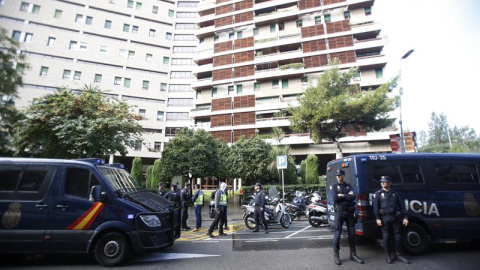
<point x="223" y="199"/>
<point x="199" y="199"/>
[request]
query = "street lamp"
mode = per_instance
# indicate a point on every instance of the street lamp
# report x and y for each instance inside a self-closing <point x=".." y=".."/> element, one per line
<point x="402" y="139"/>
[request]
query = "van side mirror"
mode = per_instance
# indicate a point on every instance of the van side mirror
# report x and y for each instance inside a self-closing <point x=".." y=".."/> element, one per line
<point x="96" y="194"/>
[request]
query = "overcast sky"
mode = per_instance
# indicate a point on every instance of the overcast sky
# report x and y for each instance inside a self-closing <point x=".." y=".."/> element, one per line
<point x="442" y="75"/>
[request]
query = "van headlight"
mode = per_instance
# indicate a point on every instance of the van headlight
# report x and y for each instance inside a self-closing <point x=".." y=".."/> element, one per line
<point x="151" y="220"/>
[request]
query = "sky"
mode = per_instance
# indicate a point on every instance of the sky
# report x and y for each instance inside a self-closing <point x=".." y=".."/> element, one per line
<point x="442" y="75"/>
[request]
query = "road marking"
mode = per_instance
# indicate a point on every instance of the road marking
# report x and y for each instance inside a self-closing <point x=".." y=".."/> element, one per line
<point x="288" y="236"/>
<point x="260" y="241"/>
<point x="151" y="257"/>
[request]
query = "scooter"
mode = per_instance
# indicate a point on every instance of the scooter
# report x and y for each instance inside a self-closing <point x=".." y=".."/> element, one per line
<point x="317" y="211"/>
<point x="274" y="212"/>
<point x="298" y="206"/>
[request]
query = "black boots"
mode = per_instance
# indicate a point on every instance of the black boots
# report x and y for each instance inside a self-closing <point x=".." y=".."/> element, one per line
<point x="355" y="258"/>
<point x="336" y="257"/>
<point x="388" y="259"/>
<point x="402" y="259"/>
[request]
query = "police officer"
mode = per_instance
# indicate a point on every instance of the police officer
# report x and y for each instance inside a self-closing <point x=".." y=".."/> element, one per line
<point x="198" y="204"/>
<point x="186" y="198"/>
<point x="344" y="206"/>
<point x="390" y="213"/>
<point x="161" y="190"/>
<point x="220" y="202"/>
<point x="173" y="195"/>
<point x="259" y="207"/>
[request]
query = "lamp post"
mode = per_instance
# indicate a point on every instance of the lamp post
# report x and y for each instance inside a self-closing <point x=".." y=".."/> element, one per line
<point x="402" y="139"/>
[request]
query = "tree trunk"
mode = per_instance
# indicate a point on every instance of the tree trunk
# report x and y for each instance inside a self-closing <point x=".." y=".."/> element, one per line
<point x="339" y="153"/>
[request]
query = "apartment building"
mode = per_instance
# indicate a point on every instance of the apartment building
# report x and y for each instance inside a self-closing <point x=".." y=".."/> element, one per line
<point x="230" y="67"/>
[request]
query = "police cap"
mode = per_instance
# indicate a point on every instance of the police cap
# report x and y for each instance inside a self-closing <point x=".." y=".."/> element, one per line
<point x="385" y="179"/>
<point x="161" y="184"/>
<point x="340" y="172"/>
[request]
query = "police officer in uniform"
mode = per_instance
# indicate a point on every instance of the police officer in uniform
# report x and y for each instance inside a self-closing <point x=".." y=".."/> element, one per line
<point x="220" y="203"/>
<point x="344" y="206"/>
<point x="259" y="207"/>
<point x="390" y="213"/>
<point x="161" y="190"/>
<point x="198" y="204"/>
<point x="186" y="198"/>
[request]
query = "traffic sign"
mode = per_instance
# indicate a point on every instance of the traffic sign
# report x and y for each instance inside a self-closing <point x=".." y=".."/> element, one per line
<point x="281" y="162"/>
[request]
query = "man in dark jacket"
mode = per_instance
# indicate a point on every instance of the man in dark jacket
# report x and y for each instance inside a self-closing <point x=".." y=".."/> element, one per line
<point x="161" y="190"/>
<point x="186" y="198"/>
<point x="259" y="208"/>
<point x="174" y="195"/>
<point x="220" y="203"/>
<point x="390" y="213"/>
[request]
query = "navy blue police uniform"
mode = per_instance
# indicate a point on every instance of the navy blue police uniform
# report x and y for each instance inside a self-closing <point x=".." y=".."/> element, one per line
<point x="388" y="208"/>
<point x="344" y="206"/>
<point x="259" y="209"/>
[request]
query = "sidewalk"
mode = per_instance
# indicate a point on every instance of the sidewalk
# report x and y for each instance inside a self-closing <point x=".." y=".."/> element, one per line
<point x="234" y="212"/>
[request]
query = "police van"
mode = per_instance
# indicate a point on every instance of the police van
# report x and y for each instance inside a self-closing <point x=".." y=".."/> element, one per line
<point x="441" y="193"/>
<point x="81" y="206"/>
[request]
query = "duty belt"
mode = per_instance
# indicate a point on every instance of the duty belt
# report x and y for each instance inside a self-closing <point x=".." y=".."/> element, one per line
<point x="387" y="212"/>
<point x="344" y="208"/>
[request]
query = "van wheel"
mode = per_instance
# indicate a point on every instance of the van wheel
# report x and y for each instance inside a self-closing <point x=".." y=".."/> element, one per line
<point x="112" y="249"/>
<point x="415" y="239"/>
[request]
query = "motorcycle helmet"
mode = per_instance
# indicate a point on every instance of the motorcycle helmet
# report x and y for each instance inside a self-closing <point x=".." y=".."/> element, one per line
<point x="223" y="186"/>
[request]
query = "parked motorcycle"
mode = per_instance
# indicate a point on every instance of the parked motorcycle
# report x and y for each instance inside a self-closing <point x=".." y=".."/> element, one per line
<point x="298" y="206"/>
<point x="274" y="212"/>
<point x="317" y="211"/>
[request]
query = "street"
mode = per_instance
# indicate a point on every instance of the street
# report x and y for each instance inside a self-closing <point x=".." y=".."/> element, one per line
<point x="298" y="246"/>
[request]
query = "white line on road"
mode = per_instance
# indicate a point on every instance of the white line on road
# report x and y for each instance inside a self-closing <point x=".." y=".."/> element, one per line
<point x="288" y="236"/>
<point x="260" y="241"/>
<point x="152" y="257"/>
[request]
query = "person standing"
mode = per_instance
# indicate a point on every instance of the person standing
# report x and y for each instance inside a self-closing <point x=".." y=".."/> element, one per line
<point x="226" y="208"/>
<point x="259" y="208"/>
<point x="220" y="203"/>
<point x="390" y="214"/>
<point x="344" y="206"/>
<point x="161" y="190"/>
<point x="198" y="204"/>
<point x="186" y="198"/>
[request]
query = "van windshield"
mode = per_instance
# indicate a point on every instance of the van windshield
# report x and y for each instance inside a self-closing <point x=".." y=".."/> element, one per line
<point x="119" y="179"/>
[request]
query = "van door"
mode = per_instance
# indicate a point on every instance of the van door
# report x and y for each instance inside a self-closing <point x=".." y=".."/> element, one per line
<point x="25" y="200"/>
<point x="72" y="219"/>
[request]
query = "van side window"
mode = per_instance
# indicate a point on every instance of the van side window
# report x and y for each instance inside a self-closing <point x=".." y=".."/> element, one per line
<point x="447" y="173"/>
<point x="411" y="174"/>
<point x="9" y="180"/>
<point x="79" y="182"/>
<point x="24" y="182"/>
<point x="467" y="173"/>
<point x="32" y="180"/>
<point x="384" y="170"/>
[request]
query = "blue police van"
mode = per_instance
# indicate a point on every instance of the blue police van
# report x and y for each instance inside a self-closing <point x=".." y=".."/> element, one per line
<point x="441" y="193"/>
<point x="81" y="206"/>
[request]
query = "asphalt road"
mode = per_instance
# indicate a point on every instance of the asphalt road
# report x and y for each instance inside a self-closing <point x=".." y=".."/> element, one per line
<point x="298" y="247"/>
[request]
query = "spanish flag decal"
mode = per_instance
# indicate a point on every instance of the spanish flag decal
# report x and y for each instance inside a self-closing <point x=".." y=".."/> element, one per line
<point x="84" y="222"/>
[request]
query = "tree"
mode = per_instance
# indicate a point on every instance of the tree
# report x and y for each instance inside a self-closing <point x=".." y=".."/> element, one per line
<point x="157" y="173"/>
<point x="149" y="182"/>
<point x="249" y="159"/>
<point x="333" y="105"/>
<point x="223" y="152"/>
<point x="12" y="64"/>
<point x="136" y="171"/>
<point x="311" y="174"/>
<point x="190" y="152"/>
<point x="303" y="170"/>
<point x="75" y="124"/>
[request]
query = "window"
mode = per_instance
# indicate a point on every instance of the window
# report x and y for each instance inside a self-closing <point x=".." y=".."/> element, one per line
<point x="28" y="37"/>
<point x="181" y="74"/>
<point x="304" y="80"/>
<point x="77" y="75"/>
<point x="78" y="182"/>
<point x="184" y="49"/>
<point x="255" y="31"/>
<point x="88" y="20"/>
<point x="273" y="27"/>
<point x="155" y="9"/>
<point x="145" y="84"/>
<point x="148" y="57"/>
<point x="299" y="23"/>
<point x="108" y="24"/>
<point x="177" y="116"/>
<point x="281" y="26"/>
<point x="24" y="6"/>
<point x="163" y="87"/>
<point x="151" y="33"/>
<point x="239" y="89"/>
<point x="181" y="37"/>
<point x="139" y="5"/>
<point x="239" y="34"/>
<point x="66" y="74"/>
<point x="186" y="15"/>
<point x="180" y="87"/>
<point x="16" y="35"/>
<point x="43" y="71"/>
<point x="98" y="78"/>
<point x="368" y="11"/>
<point x="117" y="80"/>
<point x="103" y="49"/>
<point x="184" y="26"/>
<point x="122" y="53"/>
<point x="182" y="61"/>
<point x="126" y="82"/>
<point x="346" y="14"/>
<point x="138" y="145"/>
<point x="160" y="116"/>
<point x="83" y="46"/>
<point x="187" y="4"/>
<point x="215" y="38"/>
<point x="51" y="41"/>
<point x="112" y="1"/>
<point x="130" y="3"/>
<point x="180" y="102"/>
<point x="356" y="76"/>
<point x="231" y="35"/>
<point x="126" y="27"/>
<point x="327" y="18"/>
<point x="170" y="13"/>
<point x="284" y="83"/>
<point x="142" y="112"/>
<point x="134" y="29"/>
<point x="36" y="9"/>
<point x="379" y="73"/>
<point x="131" y="54"/>
<point x="214" y="92"/>
<point x="318" y="19"/>
<point x="168" y="36"/>
<point x="79" y="18"/>
<point x="199" y="94"/>
<point x="157" y="146"/>
<point x="166" y="60"/>
<point x="411" y="174"/>
<point x="256" y="86"/>
<point x="230" y="90"/>
<point x="57" y="14"/>
<point x="275" y="84"/>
